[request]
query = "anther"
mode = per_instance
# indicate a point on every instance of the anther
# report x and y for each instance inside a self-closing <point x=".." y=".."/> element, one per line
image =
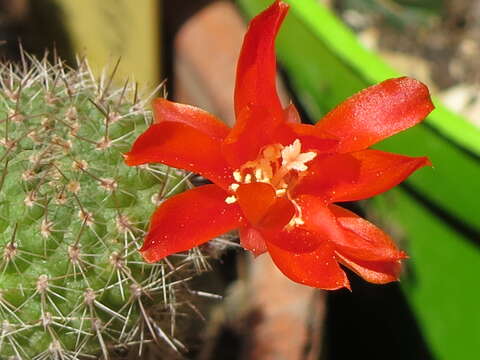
<point x="231" y="199"/>
<point x="237" y="176"/>
<point x="234" y="187"/>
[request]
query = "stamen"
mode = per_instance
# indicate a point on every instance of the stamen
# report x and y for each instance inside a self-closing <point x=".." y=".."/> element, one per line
<point x="274" y="166"/>
<point x="293" y="159"/>
<point x="237" y="176"/>
<point x="234" y="187"/>
<point x="231" y="199"/>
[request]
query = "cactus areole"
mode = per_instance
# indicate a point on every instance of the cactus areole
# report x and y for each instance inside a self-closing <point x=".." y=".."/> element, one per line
<point x="72" y="218"/>
<point x="277" y="180"/>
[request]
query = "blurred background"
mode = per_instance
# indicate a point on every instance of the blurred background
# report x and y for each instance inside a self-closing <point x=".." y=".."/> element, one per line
<point x="327" y="51"/>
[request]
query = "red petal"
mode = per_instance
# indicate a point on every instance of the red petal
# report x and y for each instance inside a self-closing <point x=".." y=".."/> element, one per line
<point x="376" y="113"/>
<point x="256" y="68"/>
<point x="199" y="119"/>
<point x="374" y="272"/>
<point x="188" y="220"/>
<point x="255" y="199"/>
<point x="313" y="139"/>
<point x="252" y="240"/>
<point x="261" y="206"/>
<point x="317" y="269"/>
<point x="362" y="240"/>
<point x="296" y="239"/>
<point x="181" y="146"/>
<point x="255" y="128"/>
<point x="319" y="226"/>
<point x="379" y="172"/>
<point x="327" y="174"/>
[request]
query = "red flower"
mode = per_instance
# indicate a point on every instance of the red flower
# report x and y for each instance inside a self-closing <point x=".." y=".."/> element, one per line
<point x="275" y="179"/>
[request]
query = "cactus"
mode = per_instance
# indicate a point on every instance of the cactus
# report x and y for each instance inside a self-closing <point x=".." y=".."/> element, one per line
<point x="72" y="217"/>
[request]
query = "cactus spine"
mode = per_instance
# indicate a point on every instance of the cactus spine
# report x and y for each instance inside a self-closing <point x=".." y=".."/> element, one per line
<point x="72" y="216"/>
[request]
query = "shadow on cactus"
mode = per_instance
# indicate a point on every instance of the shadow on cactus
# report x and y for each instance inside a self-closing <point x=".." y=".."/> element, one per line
<point x="72" y="217"/>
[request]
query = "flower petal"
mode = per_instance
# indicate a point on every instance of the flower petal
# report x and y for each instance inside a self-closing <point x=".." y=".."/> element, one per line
<point x="297" y="239"/>
<point x="254" y="129"/>
<point x="374" y="272"/>
<point x="379" y="172"/>
<point x="254" y="200"/>
<point x="313" y="139"/>
<point x="376" y="113"/>
<point x="179" y="145"/>
<point x="252" y="240"/>
<point x="319" y="226"/>
<point x="256" y="68"/>
<point x="328" y="173"/>
<point x="318" y="268"/>
<point x="188" y="220"/>
<point x="199" y="119"/>
<point x="362" y="240"/>
<point x="261" y="206"/>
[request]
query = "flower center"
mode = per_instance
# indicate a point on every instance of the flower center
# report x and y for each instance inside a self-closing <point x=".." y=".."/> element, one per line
<point x="277" y="165"/>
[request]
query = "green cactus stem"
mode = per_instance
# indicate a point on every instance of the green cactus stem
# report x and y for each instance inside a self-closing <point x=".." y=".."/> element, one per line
<point x="72" y="218"/>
